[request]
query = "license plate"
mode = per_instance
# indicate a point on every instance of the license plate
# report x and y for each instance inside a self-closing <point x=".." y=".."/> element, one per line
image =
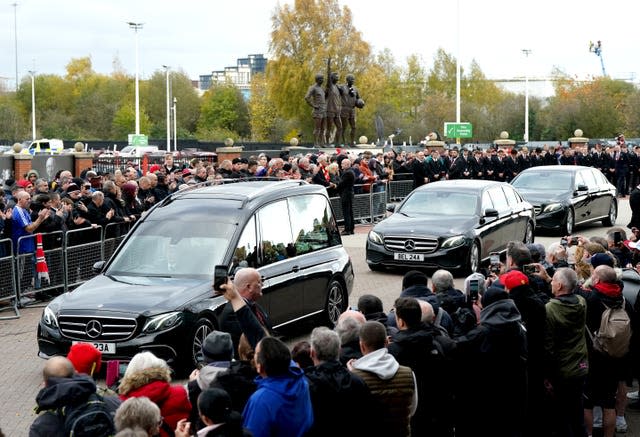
<point x="408" y="256"/>
<point x="105" y="348"/>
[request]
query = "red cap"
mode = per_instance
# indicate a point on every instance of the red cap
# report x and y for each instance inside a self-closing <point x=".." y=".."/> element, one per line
<point x="23" y="183"/>
<point x="85" y="358"/>
<point x="186" y="172"/>
<point x="513" y="279"/>
<point x="154" y="168"/>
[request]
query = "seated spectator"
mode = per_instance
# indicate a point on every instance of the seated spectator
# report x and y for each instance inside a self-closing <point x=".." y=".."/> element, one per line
<point x="150" y="376"/>
<point x="139" y="414"/>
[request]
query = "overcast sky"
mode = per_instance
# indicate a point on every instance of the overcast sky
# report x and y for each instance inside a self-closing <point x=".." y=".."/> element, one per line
<point x="201" y="36"/>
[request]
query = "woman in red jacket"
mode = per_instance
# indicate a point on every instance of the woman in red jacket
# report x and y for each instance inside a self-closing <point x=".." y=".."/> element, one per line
<point x="150" y="376"/>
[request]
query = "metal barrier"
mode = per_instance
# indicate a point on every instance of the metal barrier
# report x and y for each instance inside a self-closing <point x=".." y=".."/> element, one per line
<point x="398" y="190"/>
<point x="8" y="289"/>
<point x="83" y="248"/>
<point x="113" y="235"/>
<point x="367" y="207"/>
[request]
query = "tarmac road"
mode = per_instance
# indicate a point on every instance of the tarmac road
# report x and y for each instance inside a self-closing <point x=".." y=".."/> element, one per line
<point x="21" y="369"/>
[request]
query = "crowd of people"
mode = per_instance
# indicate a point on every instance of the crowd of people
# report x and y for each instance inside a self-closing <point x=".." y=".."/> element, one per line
<point x="520" y="350"/>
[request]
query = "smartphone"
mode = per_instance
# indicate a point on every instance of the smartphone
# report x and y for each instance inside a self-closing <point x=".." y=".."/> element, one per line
<point x="494" y="258"/>
<point x="220" y="277"/>
<point x="564" y="242"/>
<point x="474" y="289"/>
<point x="529" y="269"/>
<point x="617" y="237"/>
<point x="573" y="241"/>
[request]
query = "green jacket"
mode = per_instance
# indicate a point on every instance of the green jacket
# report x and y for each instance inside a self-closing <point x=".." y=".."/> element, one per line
<point x="565" y="342"/>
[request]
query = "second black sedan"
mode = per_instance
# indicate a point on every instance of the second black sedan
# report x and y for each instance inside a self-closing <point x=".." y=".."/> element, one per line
<point x="451" y="225"/>
<point x="568" y="195"/>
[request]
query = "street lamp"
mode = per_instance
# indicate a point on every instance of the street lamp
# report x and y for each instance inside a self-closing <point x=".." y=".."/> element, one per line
<point x="15" y="30"/>
<point x="166" y="67"/>
<point x="136" y="27"/>
<point x="175" y="131"/>
<point x="33" y="104"/>
<point x="526" y="52"/>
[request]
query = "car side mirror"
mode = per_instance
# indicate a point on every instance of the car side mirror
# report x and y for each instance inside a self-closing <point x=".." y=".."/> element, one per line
<point x="491" y="212"/>
<point x="582" y="187"/>
<point x="98" y="266"/>
<point x="391" y="207"/>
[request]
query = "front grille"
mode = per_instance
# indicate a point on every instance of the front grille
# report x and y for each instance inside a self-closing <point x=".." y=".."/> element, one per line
<point x="101" y="328"/>
<point x="422" y="245"/>
<point x="537" y="210"/>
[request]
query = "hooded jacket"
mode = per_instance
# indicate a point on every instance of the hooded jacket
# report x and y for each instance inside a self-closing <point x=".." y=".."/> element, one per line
<point x="154" y="383"/>
<point x="281" y="406"/>
<point x="59" y="393"/>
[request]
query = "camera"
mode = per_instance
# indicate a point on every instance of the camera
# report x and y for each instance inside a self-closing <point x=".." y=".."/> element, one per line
<point x="564" y="242"/>
<point x="529" y="269"/>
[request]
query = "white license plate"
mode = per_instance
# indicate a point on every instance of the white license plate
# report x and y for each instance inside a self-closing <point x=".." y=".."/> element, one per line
<point x="105" y="348"/>
<point x="408" y="256"/>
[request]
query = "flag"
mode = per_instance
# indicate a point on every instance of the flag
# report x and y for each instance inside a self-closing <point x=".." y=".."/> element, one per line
<point x="41" y="262"/>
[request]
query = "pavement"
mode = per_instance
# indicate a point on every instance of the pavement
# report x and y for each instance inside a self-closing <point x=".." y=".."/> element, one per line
<point x="21" y="369"/>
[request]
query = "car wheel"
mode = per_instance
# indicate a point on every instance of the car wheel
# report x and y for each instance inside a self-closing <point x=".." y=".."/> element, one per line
<point x="336" y="303"/>
<point x="569" y="223"/>
<point x="473" y="263"/>
<point x="610" y="220"/>
<point x="528" y="234"/>
<point x="202" y="328"/>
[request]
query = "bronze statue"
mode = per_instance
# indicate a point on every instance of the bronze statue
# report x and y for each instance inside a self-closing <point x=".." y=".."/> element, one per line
<point x="315" y="98"/>
<point x="334" y="107"/>
<point x="350" y="101"/>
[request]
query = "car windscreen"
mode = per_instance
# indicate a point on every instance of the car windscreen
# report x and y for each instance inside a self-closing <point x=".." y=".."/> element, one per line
<point x="173" y="249"/>
<point x="445" y="203"/>
<point x="544" y="180"/>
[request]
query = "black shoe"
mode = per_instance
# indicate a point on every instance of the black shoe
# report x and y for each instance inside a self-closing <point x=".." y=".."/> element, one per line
<point x="347" y="232"/>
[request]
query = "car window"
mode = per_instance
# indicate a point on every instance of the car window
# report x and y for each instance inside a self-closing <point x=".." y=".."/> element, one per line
<point x="543" y="180"/>
<point x="499" y="199"/>
<point x="486" y="201"/>
<point x="312" y="223"/>
<point x="276" y="242"/>
<point x="444" y="203"/>
<point x="589" y="179"/>
<point x="246" y="252"/>
<point x="512" y="197"/>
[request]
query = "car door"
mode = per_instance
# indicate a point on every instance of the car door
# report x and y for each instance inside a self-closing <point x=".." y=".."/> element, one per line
<point x="582" y="200"/>
<point x="602" y="191"/>
<point x="490" y="229"/>
<point x="278" y="265"/>
<point x="519" y="214"/>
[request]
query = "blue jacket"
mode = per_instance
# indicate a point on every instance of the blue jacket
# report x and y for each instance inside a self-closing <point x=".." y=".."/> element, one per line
<point x="281" y="406"/>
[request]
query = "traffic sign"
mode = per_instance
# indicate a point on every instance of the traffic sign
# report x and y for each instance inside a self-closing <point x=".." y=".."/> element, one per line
<point x="458" y="130"/>
<point x="138" y="140"/>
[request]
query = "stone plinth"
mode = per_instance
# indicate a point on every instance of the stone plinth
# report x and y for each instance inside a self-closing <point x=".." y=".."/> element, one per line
<point x="82" y="161"/>
<point x="21" y="165"/>
<point x="229" y="153"/>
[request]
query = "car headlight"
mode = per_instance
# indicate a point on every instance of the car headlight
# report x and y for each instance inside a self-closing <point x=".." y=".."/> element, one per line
<point x="162" y="322"/>
<point x="456" y="241"/>
<point x="552" y="207"/>
<point x="375" y="237"/>
<point x="49" y="318"/>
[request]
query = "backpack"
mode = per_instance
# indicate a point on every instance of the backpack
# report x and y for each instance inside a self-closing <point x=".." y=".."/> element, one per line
<point x="88" y="419"/>
<point x="614" y="334"/>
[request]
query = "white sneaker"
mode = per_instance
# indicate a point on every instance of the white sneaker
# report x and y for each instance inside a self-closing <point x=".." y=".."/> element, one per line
<point x="633" y="396"/>
<point x="597" y="417"/>
<point x="621" y="424"/>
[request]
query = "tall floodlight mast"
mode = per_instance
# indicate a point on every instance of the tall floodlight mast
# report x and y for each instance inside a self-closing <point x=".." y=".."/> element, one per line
<point x="597" y="49"/>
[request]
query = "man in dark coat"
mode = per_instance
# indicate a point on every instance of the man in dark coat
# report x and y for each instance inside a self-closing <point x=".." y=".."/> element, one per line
<point x="634" y="203"/>
<point x="345" y="191"/>
<point x="337" y="395"/>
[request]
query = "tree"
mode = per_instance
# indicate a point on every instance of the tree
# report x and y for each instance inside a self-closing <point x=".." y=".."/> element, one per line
<point x="305" y="35"/>
<point x="124" y="122"/>
<point x="263" y="114"/>
<point x="223" y="107"/>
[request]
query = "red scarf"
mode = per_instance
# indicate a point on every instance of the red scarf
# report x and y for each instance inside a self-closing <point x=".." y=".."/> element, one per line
<point x="609" y="289"/>
<point x="325" y="172"/>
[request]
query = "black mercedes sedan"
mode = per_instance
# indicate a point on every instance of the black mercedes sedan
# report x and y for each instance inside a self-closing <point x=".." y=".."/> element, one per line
<point x="451" y="225"/>
<point x="564" y="196"/>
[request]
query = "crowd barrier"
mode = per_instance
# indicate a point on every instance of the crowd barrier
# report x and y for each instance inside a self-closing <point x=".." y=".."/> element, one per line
<point x="69" y="258"/>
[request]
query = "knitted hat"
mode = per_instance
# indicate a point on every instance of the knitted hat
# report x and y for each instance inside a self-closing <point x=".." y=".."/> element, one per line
<point x="601" y="259"/>
<point x="85" y="358"/>
<point x="493" y="294"/>
<point x="217" y="346"/>
<point x="513" y="279"/>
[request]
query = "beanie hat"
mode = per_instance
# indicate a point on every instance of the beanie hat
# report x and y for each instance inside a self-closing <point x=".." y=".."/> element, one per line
<point x="601" y="259"/>
<point x="513" y="279"/>
<point x="217" y="346"/>
<point x="414" y="277"/>
<point x="85" y="358"/>
<point x="493" y="294"/>
<point x="24" y="183"/>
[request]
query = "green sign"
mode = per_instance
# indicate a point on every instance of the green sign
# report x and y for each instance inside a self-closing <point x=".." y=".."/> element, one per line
<point x="458" y="130"/>
<point x="138" y="140"/>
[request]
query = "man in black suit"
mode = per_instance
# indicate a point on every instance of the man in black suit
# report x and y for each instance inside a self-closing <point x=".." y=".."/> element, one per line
<point x="345" y="191"/>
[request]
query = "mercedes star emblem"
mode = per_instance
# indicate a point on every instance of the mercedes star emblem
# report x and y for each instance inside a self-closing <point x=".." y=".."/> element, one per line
<point x="93" y="329"/>
<point x="410" y="245"/>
